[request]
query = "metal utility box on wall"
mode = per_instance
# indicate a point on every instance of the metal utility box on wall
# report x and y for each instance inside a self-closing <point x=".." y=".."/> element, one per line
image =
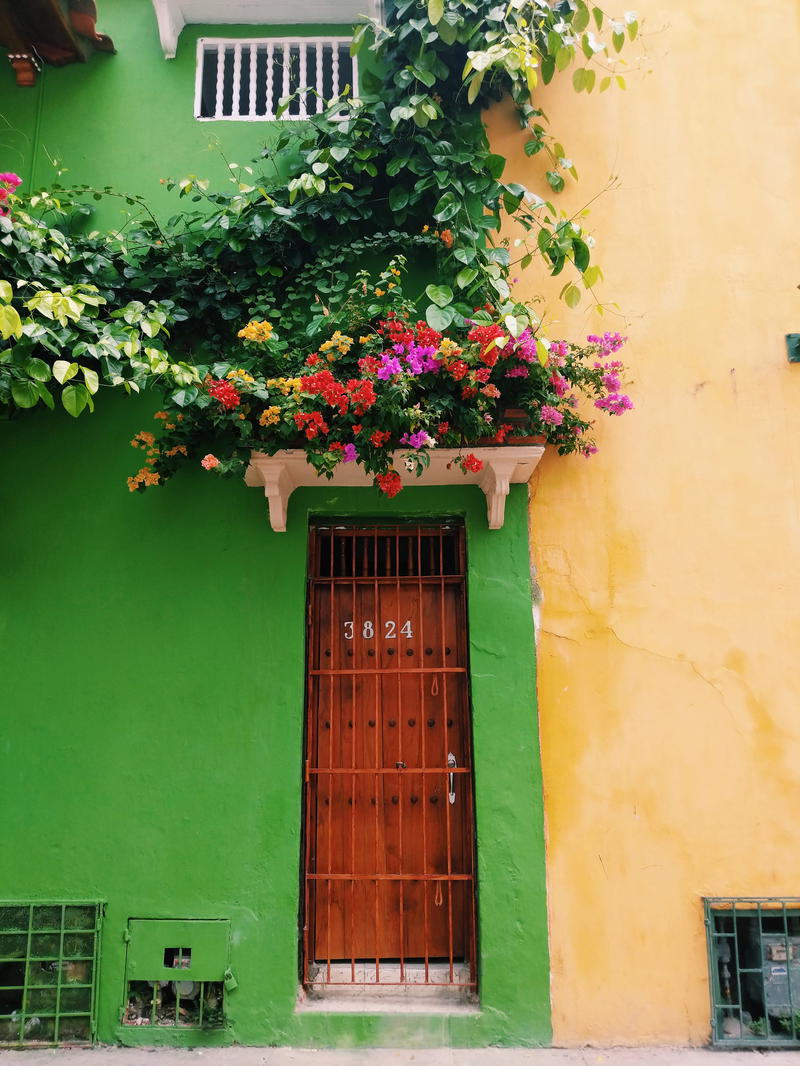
<point x="177" y="972"/>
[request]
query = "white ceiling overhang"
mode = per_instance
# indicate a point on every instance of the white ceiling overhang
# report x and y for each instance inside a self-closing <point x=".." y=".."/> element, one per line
<point x="173" y="15"/>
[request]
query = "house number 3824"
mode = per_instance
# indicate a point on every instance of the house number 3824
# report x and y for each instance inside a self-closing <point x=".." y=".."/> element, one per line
<point x="389" y="629"/>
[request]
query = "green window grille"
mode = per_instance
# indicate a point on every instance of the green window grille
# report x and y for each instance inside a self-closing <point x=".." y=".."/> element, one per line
<point x="754" y="961"/>
<point x="177" y="973"/>
<point x="48" y="972"/>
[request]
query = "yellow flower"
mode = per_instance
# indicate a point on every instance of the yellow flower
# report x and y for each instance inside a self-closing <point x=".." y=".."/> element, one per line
<point x="240" y="375"/>
<point x="270" y="416"/>
<point x="395" y="271"/>
<point x="380" y="292"/>
<point x="391" y="285"/>
<point x="363" y="340"/>
<point x="425" y="229"/>
<point x="256" y="331"/>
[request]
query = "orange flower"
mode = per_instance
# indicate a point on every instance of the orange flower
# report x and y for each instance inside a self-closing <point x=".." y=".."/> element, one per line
<point x="208" y="462"/>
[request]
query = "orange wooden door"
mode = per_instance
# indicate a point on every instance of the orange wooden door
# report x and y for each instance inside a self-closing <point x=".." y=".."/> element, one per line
<point x="389" y="816"/>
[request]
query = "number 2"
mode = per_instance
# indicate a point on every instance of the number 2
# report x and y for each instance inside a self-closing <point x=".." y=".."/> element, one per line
<point x="390" y="628"/>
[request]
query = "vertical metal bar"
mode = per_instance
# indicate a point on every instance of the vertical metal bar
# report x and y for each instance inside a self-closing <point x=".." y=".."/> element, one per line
<point x="336" y="658"/>
<point x="303" y="75"/>
<point x="788" y="969"/>
<point x="253" y="53"/>
<point x="202" y="998"/>
<point x="236" y="98"/>
<point x="353" y="736"/>
<point x="447" y="804"/>
<point x="270" y="113"/>
<point x="378" y="712"/>
<point x="423" y="686"/>
<point x="57" y="1023"/>
<point x="27" y="977"/>
<point x="220" y="88"/>
<point x="354" y="86"/>
<point x="320" y="86"/>
<point x="767" y="1025"/>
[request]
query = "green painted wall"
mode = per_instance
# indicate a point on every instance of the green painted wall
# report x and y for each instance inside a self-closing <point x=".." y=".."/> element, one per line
<point x="126" y="120"/>
<point x="151" y="749"/>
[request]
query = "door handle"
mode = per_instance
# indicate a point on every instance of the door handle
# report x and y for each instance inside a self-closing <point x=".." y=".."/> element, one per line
<point x="451" y="762"/>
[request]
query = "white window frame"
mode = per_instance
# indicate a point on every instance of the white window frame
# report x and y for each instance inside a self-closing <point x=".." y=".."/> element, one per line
<point x="273" y="45"/>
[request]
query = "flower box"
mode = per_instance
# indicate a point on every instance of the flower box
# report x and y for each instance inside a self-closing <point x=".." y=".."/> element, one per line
<point x="287" y="470"/>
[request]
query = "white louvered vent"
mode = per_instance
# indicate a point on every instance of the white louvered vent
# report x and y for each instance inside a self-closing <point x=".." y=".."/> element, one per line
<point x="245" y="80"/>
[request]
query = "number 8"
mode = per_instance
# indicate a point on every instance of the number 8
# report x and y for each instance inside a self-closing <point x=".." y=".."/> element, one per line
<point x="368" y="630"/>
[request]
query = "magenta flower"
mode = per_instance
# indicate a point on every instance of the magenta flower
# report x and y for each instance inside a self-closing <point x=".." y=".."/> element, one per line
<point x="615" y="404"/>
<point x="391" y="365"/>
<point x="349" y="453"/>
<point x="551" y="416"/>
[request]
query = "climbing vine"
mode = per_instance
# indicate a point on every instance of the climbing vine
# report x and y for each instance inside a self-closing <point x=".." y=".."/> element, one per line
<point x="401" y="176"/>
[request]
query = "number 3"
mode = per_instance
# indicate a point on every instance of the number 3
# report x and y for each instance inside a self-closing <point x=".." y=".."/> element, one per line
<point x="348" y="631"/>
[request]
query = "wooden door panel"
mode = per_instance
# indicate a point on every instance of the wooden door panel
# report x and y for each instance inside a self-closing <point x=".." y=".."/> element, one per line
<point x="389" y="859"/>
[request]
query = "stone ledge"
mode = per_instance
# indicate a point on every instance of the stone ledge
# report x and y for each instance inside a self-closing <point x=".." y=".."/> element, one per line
<point x="280" y="474"/>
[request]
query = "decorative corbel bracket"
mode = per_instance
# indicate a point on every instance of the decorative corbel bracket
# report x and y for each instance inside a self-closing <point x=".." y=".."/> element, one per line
<point x="280" y="474"/>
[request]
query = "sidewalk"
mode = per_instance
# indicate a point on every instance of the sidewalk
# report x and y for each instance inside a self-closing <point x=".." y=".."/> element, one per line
<point x="249" y="1056"/>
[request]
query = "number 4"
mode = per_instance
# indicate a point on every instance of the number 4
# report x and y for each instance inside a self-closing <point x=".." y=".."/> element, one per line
<point x="406" y="630"/>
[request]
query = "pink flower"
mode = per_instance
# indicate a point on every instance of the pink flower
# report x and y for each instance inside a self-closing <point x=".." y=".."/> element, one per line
<point x="349" y="455"/>
<point x="11" y="179"/>
<point x="208" y="462"/>
<point x="615" y="404"/>
<point x="551" y="416"/>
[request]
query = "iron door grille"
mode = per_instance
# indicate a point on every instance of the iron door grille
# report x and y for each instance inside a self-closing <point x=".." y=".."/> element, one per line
<point x="754" y="963"/>
<point x="389" y="852"/>
<point x="246" y="80"/>
<point x="48" y="972"/>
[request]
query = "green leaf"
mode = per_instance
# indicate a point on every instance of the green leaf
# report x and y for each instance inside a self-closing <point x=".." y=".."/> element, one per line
<point x="25" y="393"/>
<point x="38" y="370"/>
<point x="6" y="292"/>
<point x="91" y="379"/>
<point x="474" y="87"/>
<point x="554" y="180"/>
<point x="438" y="318"/>
<point x="339" y="152"/>
<point x="435" y="11"/>
<point x="563" y="57"/>
<point x="589" y="80"/>
<point x="618" y="40"/>
<point x="581" y="19"/>
<point x="548" y="69"/>
<point x="442" y="295"/>
<point x="495" y="164"/>
<point x="597" y="13"/>
<point x="10" y="322"/>
<point x="398" y="197"/>
<point x="579" y="79"/>
<point x="465" y="276"/>
<point x="63" y="370"/>
<point x="591" y="276"/>
<point x="44" y="392"/>
<point x="74" y="399"/>
<point x="448" y="32"/>
<point x="621" y="81"/>
<point x="572" y="295"/>
<point x="581" y="254"/>
<point x="447" y="207"/>
<point x="604" y="84"/>
<point x="633" y="29"/>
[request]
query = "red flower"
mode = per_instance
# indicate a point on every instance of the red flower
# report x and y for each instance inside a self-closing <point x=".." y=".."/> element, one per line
<point x="313" y="359"/>
<point x="357" y="429"/>
<point x="471" y="463"/>
<point x="311" y="424"/>
<point x="379" y="437"/>
<point x="426" y="335"/>
<point x="443" y="427"/>
<point x="389" y="483"/>
<point x="458" y="369"/>
<point x="369" y="364"/>
<point x="503" y="432"/>
<point x="362" y="394"/>
<point x="324" y="384"/>
<point x="482" y="374"/>
<point x="468" y="392"/>
<point x="225" y="393"/>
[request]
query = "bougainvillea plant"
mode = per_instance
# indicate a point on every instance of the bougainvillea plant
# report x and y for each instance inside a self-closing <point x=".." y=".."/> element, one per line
<point x="245" y="311"/>
<point x="378" y="380"/>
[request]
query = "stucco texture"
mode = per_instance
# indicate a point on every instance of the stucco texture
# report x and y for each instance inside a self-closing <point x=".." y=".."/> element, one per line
<point x="670" y="562"/>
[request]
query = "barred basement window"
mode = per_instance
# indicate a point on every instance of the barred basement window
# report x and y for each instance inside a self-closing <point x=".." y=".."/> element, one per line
<point x="245" y="80"/>
<point x="48" y="966"/>
<point x="754" y="959"/>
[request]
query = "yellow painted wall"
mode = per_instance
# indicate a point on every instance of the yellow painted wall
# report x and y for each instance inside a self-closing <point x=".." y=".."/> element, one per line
<point x="670" y="562"/>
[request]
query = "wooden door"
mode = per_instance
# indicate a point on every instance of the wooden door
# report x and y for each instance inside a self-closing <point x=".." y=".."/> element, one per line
<point x="389" y="817"/>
